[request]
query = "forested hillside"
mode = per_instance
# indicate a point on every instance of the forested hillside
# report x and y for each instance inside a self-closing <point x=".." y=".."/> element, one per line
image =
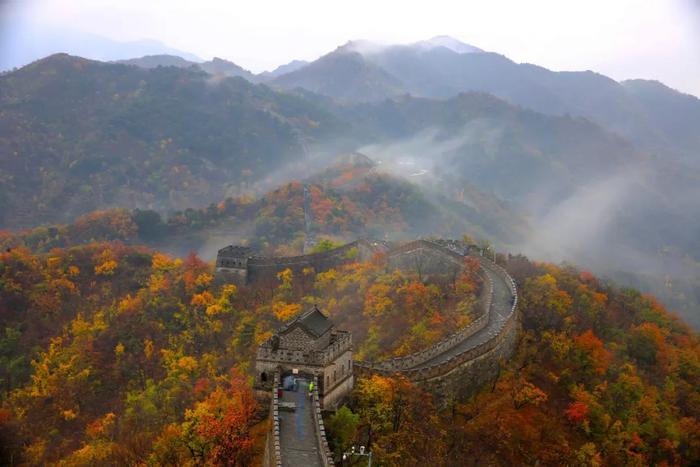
<point x="417" y="254"/>
<point x="347" y="201"/>
<point x="78" y="135"/>
<point x="602" y="376"/>
<point x="637" y="110"/>
<point x="119" y="355"/>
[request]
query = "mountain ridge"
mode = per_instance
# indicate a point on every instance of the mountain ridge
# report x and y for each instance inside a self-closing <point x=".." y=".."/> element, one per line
<point x="442" y="73"/>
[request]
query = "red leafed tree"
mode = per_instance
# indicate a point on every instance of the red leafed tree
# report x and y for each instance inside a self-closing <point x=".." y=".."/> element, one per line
<point x="592" y="353"/>
<point x="193" y="268"/>
<point x="226" y="421"/>
<point x="576" y="412"/>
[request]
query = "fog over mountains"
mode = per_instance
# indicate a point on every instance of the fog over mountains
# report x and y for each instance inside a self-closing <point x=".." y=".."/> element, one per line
<point x="21" y="45"/>
<point x="600" y="172"/>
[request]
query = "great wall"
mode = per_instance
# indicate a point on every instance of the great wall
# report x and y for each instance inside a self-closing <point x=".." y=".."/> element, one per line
<point x="455" y="366"/>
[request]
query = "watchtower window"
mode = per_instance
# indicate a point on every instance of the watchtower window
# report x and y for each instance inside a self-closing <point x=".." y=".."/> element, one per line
<point x="263" y="377"/>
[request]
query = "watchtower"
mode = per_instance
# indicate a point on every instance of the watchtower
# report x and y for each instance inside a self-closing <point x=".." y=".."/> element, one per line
<point x="309" y="345"/>
<point x="233" y="260"/>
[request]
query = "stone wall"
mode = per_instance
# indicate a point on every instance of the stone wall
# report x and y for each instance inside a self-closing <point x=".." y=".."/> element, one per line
<point x="320" y="429"/>
<point x="337" y="380"/>
<point x="273" y="450"/>
<point x="471" y="374"/>
<point x="406" y="362"/>
<point x="297" y="339"/>
<point x="261" y="268"/>
<point x="342" y="342"/>
<point x="425" y="258"/>
<point x="458" y="374"/>
<point x="337" y="357"/>
<point x="470" y="369"/>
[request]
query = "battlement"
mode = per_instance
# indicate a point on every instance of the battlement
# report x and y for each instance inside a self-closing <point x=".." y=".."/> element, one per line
<point x="340" y="342"/>
<point x="310" y="344"/>
<point x="235" y="262"/>
<point x="454" y="367"/>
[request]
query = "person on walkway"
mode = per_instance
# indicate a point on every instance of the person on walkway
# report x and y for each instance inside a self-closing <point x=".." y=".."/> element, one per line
<point x="311" y="390"/>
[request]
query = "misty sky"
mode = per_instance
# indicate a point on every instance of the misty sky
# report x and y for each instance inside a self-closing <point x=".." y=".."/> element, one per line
<point x="620" y="38"/>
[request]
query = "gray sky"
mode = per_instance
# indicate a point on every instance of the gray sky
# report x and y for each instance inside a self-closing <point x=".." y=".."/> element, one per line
<point x="620" y="38"/>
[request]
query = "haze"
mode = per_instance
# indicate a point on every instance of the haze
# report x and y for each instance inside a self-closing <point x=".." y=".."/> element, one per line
<point x="622" y="39"/>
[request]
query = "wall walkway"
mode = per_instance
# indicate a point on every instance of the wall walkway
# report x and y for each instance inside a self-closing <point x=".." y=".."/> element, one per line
<point x="460" y="363"/>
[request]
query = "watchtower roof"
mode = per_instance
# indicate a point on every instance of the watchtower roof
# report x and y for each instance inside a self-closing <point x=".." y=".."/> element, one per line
<point x="313" y="320"/>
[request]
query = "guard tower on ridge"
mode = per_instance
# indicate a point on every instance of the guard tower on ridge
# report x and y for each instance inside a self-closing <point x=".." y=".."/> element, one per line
<point x="309" y="345"/>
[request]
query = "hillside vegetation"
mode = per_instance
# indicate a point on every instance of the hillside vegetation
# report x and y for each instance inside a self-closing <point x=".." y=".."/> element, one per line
<point x="347" y="201"/>
<point x="119" y="355"/>
<point x="78" y="135"/>
<point x="654" y="117"/>
<point x="602" y="376"/>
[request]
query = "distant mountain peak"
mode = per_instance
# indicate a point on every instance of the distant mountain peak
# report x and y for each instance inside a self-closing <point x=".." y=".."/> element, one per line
<point x="345" y="73"/>
<point x="156" y="60"/>
<point x="221" y="67"/>
<point x="449" y="43"/>
<point x="353" y="159"/>
<point x="362" y="47"/>
<point x="282" y="69"/>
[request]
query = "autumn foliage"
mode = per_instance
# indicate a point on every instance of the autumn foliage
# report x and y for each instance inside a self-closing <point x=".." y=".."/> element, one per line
<point x="118" y="355"/>
<point x="602" y="376"/>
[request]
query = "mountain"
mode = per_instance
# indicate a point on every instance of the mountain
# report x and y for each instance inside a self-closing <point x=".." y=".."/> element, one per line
<point x="663" y="122"/>
<point x="216" y="66"/>
<point x="344" y="74"/>
<point x="504" y="149"/>
<point x="283" y="69"/>
<point x="220" y="67"/>
<point x="78" y="135"/>
<point x="448" y="43"/>
<point x="154" y="61"/>
<point x="119" y="355"/>
<point x="587" y="194"/>
<point x="176" y="131"/>
<point x="352" y="197"/>
<point x="676" y="114"/>
<point x="24" y="44"/>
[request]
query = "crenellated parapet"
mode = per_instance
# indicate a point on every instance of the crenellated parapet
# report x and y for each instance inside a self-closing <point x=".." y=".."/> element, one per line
<point x="320" y="429"/>
<point x="237" y="263"/>
<point x="309" y="345"/>
<point x="471" y="356"/>
<point x="403" y="363"/>
<point x="339" y="343"/>
<point x="273" y="448"/>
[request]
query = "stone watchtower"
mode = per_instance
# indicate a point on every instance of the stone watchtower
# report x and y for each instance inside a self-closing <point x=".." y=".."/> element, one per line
<point x="309" y="345"/>
<point x="232" y="262"/>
